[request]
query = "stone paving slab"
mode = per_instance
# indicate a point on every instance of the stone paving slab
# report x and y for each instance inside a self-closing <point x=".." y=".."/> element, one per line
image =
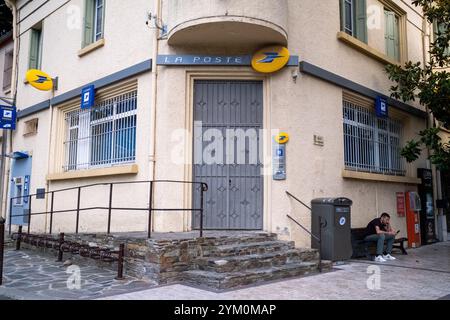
<point x="29" y="275"/>
<point x="422" y="274"/>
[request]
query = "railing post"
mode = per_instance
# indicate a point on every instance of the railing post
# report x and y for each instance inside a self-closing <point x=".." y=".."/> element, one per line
<point x="78" y="210"/>
<point x="203" y="188"/>
<point x="60" y="243"/>
<point x="320" y="244"/>
<point x="2" y="244"/>
<point x="120" y="262"/>
<point x="150" y="207"/>
<point x="19" y="238"/>
<point x="10" y="215"/>
<point x="51" y="213"/>
<point x="109" y="207"/>
<point x="29" y="213"/>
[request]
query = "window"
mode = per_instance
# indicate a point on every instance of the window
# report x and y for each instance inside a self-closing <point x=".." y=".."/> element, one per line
<point x="7" y="70"/>
<point x="354" y="18"/>
<point x="371" y="144"/>
<point x="103" y="136"/>
<point x="93" y="21"/>
<point x="31" y="127"/>
<point x="438" y="30"/>
<point x="392" y="35"/>
<point x="35" y="56"/>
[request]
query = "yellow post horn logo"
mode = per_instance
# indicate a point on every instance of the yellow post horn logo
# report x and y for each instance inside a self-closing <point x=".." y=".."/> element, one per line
<point x="270" y="59"/>
<point x="282" y="138"/>
<point x="39" y="80"/>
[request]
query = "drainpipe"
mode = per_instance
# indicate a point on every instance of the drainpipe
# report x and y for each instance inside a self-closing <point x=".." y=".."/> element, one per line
<point x="426" y="28"/>
<point x="154" y="90"/>
<point x="6" y="163"/>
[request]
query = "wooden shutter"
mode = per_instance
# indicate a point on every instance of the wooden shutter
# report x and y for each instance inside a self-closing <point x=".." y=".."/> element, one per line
<point x="88" y="34"/>
<point x="35" y="41"/>
<point x="392" y="35"/>
<point x="342" y="12"/>
<point x="360" y="13"/>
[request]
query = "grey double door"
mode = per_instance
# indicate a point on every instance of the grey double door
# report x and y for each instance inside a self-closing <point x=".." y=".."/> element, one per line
<point x="228" y="116"/>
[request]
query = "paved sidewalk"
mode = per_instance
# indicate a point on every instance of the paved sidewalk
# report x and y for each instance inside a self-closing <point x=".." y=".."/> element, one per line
<point x="423" y="274"/>
<point x="32" y="276"/>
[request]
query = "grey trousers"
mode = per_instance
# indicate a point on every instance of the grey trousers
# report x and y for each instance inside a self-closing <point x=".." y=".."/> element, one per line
<point x="379" y="239"/>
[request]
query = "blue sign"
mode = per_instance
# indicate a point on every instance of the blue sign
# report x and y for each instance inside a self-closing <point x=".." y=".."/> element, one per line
<point x="26" y="188"/>
<point x="87" y="97"/>
<point x="279" y="161"/>
<point x="8" y="116"/>
<point x="381" y="107"/>
<point x="192" y="60"/>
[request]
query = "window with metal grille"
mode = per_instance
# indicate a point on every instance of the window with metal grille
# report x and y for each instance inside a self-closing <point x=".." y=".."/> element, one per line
<point x="102" y="136"/>
<point x="7" y="70"/>
<point x="371" y="144"/>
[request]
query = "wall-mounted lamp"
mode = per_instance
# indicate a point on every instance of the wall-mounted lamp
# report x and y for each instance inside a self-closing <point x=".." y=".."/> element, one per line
<point x="157" y="24"/>
<point x="294" y="74"/>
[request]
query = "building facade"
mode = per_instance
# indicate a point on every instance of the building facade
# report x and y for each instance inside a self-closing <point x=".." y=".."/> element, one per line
<point x="176" y="98"/>
<point x="6" y="65"/>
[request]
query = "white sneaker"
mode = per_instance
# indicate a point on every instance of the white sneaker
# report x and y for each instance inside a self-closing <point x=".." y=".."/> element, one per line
<point x="389" y="257"/>
<point x="379" y="259"/>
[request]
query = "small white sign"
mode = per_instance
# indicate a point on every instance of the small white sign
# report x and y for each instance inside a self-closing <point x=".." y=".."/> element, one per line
<point x="342" y="221"/>
<point x="7" y="114"/>
<point x="86" y="97"/>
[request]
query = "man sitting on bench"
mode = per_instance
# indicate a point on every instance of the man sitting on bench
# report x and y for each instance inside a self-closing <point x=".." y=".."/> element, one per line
<point x="378" y="230"/>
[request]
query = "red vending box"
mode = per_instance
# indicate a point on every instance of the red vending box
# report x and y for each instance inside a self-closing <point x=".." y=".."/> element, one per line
<point x="413" y="207"/>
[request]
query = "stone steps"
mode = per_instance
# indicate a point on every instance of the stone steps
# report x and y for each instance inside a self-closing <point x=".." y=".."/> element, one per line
<point x="252" y="248"/>
<point x="254" y="261"/>
<point x="229" y="280"/>
<point x="233" y="241"/>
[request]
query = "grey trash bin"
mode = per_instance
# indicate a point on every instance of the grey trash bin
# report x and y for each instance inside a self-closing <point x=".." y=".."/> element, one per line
<point x="334" y="213"/>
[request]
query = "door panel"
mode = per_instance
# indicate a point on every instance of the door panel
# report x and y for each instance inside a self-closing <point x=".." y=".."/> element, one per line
<point x="234" y="111"/>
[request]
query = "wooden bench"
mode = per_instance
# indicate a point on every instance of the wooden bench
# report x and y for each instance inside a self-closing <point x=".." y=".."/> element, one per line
<point x="362" y="248"/>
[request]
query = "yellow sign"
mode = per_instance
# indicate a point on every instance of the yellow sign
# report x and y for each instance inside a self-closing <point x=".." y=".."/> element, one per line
<point x="282" y="138"/>
<point x="270" y="59"/>
<point x="40" y="80"/>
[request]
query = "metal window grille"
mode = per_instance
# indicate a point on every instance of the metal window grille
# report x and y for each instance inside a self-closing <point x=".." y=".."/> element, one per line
<point x="102" y="136"/>
<point x="372" y="144"/>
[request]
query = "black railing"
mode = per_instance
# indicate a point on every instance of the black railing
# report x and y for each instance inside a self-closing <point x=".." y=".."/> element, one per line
<point x="150" y="209"/>
<point x="2" y="244"/>
<point x="61" y="246"/>
<point x="319" y="237"/>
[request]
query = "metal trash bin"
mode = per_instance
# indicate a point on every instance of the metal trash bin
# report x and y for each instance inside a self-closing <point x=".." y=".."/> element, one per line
<point x="335" y="234"/>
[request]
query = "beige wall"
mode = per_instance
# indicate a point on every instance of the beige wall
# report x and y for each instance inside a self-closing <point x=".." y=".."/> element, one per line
<point x="62" y="40"/>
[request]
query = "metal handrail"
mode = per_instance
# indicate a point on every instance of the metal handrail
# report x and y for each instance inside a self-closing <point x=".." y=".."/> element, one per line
<point x="319" y="237"/>
<point x="110" y="208"/>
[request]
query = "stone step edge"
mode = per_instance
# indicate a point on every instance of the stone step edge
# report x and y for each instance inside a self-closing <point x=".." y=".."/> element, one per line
<point x="266" y="273"/>
<point x="226" y="247"/>
<point x="256" y="256"/>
